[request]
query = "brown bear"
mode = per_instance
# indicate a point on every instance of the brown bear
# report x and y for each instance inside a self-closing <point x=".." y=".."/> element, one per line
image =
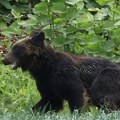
<point x="61" y="76"/>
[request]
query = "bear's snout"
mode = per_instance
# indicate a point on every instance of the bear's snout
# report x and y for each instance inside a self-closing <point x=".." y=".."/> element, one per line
<point x="5" y="61"/>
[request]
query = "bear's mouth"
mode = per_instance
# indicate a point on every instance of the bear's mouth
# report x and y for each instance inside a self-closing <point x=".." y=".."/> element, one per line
<point x="14" y="64"/>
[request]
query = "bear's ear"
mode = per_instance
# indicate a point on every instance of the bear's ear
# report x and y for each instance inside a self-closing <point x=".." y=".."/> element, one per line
<point x="38" y="36"/>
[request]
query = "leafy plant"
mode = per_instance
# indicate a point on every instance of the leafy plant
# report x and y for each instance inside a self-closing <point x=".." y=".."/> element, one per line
<point x="77" y="26"/>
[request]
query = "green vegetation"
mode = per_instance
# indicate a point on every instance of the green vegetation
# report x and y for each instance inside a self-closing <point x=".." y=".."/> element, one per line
<point x="78" y="26"/>
<point x="84" y="27"/>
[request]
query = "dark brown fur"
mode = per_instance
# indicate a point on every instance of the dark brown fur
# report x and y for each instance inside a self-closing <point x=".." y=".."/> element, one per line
<point x="60" y="76"/>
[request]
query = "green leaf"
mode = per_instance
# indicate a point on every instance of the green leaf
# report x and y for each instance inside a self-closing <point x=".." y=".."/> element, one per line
<point x="43" y="19"/>
<point x="116" y="36"/>
<point x="55" y="1"/>
<point x="33" y="17"/>
<point x="40" y="8"/>
<point x="93" y="9"/>
<point x="92" y="48"/>
<point x="86" y="17"/>
<point x="101" y="14"/>
<point x="107" y="45"/>
<point x="116" y="32"/>
<point x="109" y="25"/>
<point x="21" y="8"/>
<point x="103" y="2"/>
<point x="15" y="14"/>
<point x="117" y="40"/>
<point x="6" y="4"/>
<point x="10" y="31"/>
<point x="86" y="25"/>
<point x="59" y="21"/>
<point x="91" y="4"/>
<point x="7" y="19"/>
<point x="27" y="23"/>
<point x="58" y="42"/>
<point x="58" y="7"/>
<point x="70" y="29"/>
<point x="2" y="24"/>
<point x="80" y="5"/>
<point x="117" y="23"/>
<point x="77" y="48"/>
<point x="92" y="38"/>
<point x="72" y="2"/>
<point x="48" y="33"/>
<point x="72" y="13"/>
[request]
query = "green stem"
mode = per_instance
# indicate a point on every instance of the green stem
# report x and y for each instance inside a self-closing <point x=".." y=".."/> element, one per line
<point x="50" y="18"/>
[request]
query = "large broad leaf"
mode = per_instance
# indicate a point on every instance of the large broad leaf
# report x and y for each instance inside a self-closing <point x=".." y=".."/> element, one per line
<point x="92" y="48"/>
<point x="103" y="2"/>
<point x="7" y="18"/>
<point x="116" y="36"/>
<point x="109" y="25"/>
<point x="72" y="13"/>
<point x="102" y="14"/>
<point x="116" y="32"/>
<point x="27" y="23"/>
<point x="15" y="14"/>
<point x="13" y="29"/>
<point x="80" y="5"/>
<point x="43" y="19"/>
<point x="58" y="7"/>
<point x="40" y="8"/>
<point x="59" y="21"/>
<point x="79" y="38"/>
<point x="86" y="17"/>
<point x="117" y="40"/>
<point x="60" y="41"/>
<point x="21" y="8"/>
<point x="77" y="48"/>
<point x="107" y="45"/>
<point x="117" y="23"/>
<point x="93" y="9"/>
<point x="2" y="23"/>
<point x="57" y="1"/>
<point x="6" y="4"/>
<point x="48" y="33"/>
<point x="72" y="2"/>
<point x="91" y="4"/>
<point x="86" y="25"/>
<point x="70" y="29"/>
<point x="92" y="38"/>
<point x="115" y="13"/>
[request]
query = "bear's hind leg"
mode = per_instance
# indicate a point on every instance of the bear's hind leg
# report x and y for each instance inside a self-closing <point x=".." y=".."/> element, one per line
<point x="76" y="102"/>
<point x="105" y="89"/>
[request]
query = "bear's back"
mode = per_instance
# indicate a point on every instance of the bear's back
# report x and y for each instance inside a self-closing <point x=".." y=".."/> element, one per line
<point x="90" y="68"/>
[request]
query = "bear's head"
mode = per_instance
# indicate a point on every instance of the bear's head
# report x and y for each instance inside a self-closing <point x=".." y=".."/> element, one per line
<point x="24" y="52"/>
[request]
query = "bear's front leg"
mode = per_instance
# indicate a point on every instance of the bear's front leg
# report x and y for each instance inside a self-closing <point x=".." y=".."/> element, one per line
<point x="43" y="105"/>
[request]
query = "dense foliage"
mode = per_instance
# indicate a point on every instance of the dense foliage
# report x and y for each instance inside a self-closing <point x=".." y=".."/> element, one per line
<point x="79" y="26"/>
